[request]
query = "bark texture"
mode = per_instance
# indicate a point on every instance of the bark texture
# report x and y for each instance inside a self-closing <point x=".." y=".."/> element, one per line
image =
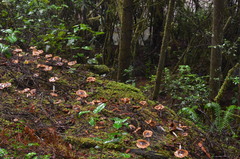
<point x="216" y="54"/>
<point x="124" y="57"/>
<point x="163" y="48"/>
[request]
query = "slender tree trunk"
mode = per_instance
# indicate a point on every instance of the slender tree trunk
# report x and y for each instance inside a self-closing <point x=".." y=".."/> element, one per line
<point x="216" y="54"/>
<point x="124" y="57"/>
<point x="163" y="48"/>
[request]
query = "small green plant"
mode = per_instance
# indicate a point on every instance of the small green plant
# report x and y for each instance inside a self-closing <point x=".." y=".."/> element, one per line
<point x="189" y="89"/>
<point x="10" y="36"/>
<point x="129" y="72"/>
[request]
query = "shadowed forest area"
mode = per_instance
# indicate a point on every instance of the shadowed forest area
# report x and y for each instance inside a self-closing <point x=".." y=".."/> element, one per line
<point x="119" y="79"/>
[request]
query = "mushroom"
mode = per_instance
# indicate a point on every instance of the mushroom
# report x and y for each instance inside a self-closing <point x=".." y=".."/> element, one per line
<point x="53" y="79"/>
<point x="159" y="108"/>
<point x="180" y="153"/>
<point x="91" y="80"/>
<point x="172" y="127"/>
<point x="147" y="134"/>
<point x="139" y="128"/>
<point x="76" y="108"/>
<point x="125" y="101"/>
<point x="142" y="144"/>
<point x="132" y="127"/>
<point x="48" y="55"/>
<point x="71" y="63"/>
<point x="57" y="58"/>
<point x="47" y="68"/>
<point x="64" y="60"/>
<point x="81" y="93"/>
<point x="143" y="103"/>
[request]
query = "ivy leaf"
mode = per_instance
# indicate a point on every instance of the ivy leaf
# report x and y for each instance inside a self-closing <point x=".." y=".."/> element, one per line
<point x="92" y="122"/>
<point x="99" y="108"/>
<point x="87" y="48"/>
<point x="118" y="122"/>
<point x="83" y="112"/>
<point x="12" y="39"/>
<point x="125" y="155"/>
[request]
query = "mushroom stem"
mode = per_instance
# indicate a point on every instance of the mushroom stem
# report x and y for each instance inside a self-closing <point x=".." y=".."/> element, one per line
<point x="91" y="88"/>
<point x="174" y="134"/>
<point x="53" y="88"/>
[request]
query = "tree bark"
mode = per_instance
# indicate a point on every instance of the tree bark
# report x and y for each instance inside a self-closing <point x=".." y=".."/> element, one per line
<point x="163" y="48"/>
<point x="124" y="57"/>
<point x="216" y="54"/>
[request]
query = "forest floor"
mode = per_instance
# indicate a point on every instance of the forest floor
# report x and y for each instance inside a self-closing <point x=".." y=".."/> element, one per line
<point x="44" y="118"/>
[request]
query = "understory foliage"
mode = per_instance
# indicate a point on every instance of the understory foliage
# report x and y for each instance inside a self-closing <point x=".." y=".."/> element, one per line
<point x="86" y="33"/>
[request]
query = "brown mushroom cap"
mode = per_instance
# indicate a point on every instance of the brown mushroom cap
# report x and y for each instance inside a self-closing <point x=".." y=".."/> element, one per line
<point x="143" y="103"/>
<point x="147" y="133"/>
<point x="125" y="100"/>
<point x="71" y="63"/>
<point x="172" y="126"/>
<point x="142" y="144"/>
<point x="159" y="107"/>
<point x="76" y="108"/>
<point x="47" y="68"/>
<point x="91" y="79"/>
<point x="180" y="153"/>
<point x="81" y="93"/>
<point x="54" y="94"/>
<point x="53" y="79"/>
<point x="48" y="55"/>
<point x="57" y="58"/>
<point x="2" y="85"/>
<point x="132" y="127"/>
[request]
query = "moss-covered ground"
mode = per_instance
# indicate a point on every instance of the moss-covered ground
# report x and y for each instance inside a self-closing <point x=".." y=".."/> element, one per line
<point x="42" y="125"/>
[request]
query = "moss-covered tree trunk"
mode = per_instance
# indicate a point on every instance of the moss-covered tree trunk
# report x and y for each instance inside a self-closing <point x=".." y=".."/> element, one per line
<point x="216" y="54"/>
<point x="163" y="48"/>
<point x="124" y="57"/>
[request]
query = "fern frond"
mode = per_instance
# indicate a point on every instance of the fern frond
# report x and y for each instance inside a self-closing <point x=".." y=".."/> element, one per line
<point x="191" y="112"/>
<point x="226" y="118"/>
<point x="217" y="111"/>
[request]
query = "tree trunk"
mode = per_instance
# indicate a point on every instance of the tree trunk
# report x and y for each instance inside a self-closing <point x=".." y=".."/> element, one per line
<point x="216" y="54"/>
<point x="124" y="57"/>
<point x="163" y="48"/>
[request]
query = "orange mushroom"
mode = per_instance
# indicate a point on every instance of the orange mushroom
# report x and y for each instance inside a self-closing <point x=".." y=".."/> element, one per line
<point x="47" y="68"/>
<point x="142" y="144"/>
<point x="76" y="108"/>
<point x="71" y="63"/>
<point x="53" y="79"/>
<point x="57" y="58"/>
<point x="132" y="127"/>
<point x="91" y="80"/>
<point x="81" y="93"/>
<point x="48" y="55"/>
<point x="147" y="133"/>
<point x="180" y="153"/>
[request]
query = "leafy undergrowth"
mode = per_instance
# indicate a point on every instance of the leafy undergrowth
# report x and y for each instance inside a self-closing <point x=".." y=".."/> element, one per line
<point x="45" y="117"/>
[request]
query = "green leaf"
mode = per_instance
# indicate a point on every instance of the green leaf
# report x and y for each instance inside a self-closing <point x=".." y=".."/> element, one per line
<point x="9" y="31"/>
<point x="115" y="140"/>
<point x="87" y="48"/>
<point x="92" y="122"/>
<point x="99" y="108"/>
<point x="83" y="112"/>
<point x="125" y="155"/>
<point x="118" y="122"/>
<point x="30" y="155"/>
<point x="12" y="39"/>
<point x="3" y="152"/>
<point x="33" y="144"/>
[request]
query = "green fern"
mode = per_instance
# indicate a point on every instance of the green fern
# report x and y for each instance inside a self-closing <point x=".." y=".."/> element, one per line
<point x="217" y="112"/>
<point x="227" y="116"/>
<point x="191" y="112"/>
<point x="221" y="122"/>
